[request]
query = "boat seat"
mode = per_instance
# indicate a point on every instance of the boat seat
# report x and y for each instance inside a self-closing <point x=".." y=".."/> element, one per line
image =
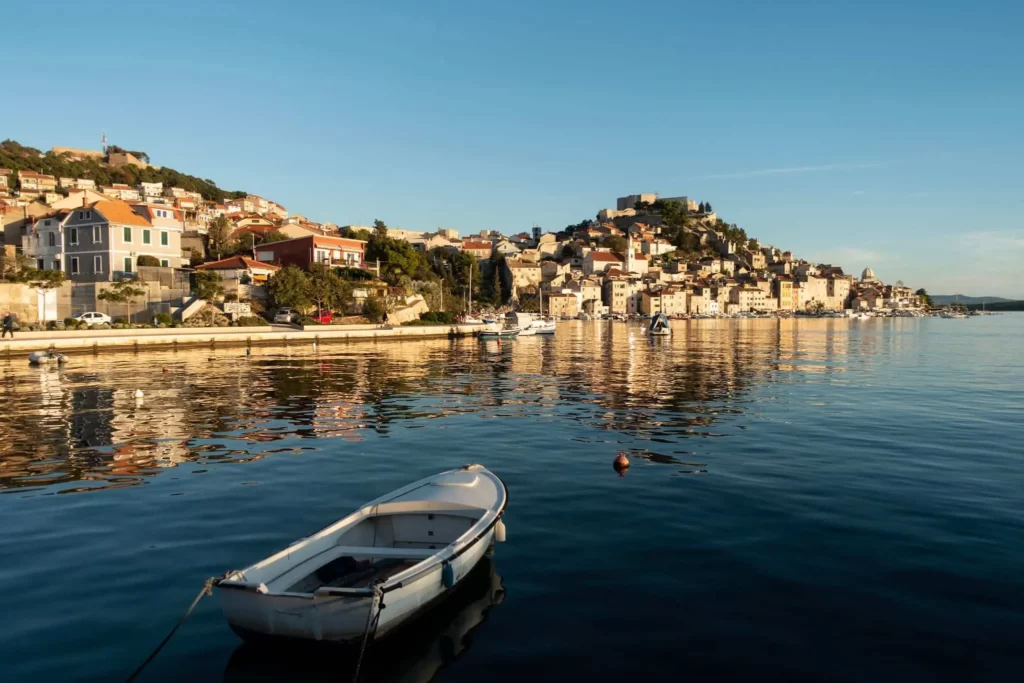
<point x="366" y="551"/>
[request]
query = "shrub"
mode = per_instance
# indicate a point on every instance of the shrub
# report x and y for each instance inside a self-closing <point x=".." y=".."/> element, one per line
<point x="147" y="260"/>
<point x="374" y="309"/>
<point x="164" y="318"/>
<point x="251" y="321"/>
<point x="305" y="320"/>
<point x="70" y="322"/>
<point x="439" y="317"/>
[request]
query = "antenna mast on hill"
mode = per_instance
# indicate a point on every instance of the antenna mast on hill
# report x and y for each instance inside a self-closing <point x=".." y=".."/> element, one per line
<point x="103" y="142"/>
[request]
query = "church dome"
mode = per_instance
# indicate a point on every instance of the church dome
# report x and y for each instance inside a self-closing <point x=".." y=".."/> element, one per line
<point x="867" y="275"/>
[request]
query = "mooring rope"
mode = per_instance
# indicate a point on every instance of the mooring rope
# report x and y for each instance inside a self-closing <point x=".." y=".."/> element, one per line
<point x="378" y="597"/>
<point x="207" y="590"/>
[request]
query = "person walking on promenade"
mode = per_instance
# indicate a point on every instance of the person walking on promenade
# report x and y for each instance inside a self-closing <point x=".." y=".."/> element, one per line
<point x="8" y="325"/>
<point x="383" y="320"/>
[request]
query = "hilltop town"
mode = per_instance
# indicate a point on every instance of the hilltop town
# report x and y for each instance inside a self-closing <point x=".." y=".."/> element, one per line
<point x="648" y="255"/>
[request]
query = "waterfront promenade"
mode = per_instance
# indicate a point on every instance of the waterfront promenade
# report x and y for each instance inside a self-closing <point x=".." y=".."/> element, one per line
<point x="100" y="341"/>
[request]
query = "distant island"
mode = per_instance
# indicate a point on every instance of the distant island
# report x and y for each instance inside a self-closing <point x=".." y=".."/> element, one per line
<point x="947" y="299"/>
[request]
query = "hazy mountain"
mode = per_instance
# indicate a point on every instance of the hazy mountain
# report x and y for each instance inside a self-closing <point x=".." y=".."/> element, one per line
<point x="944" y="299"/>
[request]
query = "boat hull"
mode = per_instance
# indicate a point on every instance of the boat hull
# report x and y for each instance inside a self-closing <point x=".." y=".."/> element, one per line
<point x="418" y="543"/>
<point x="258" y="618"/>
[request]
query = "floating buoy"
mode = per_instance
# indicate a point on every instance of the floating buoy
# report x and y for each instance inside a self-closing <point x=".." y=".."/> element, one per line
<point x="499" y="532"/>
<point x="621" y="463"/>
<point x="138" y="393"/>
<point x="448" y="575"/>
<point x="248" y="352"/>
<point x="165" y="369"/>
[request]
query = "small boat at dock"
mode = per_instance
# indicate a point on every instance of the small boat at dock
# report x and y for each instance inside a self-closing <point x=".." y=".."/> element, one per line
<point x="46" y="358"/>
<point x="503" y="333"/>
<point x="406" y="550"/>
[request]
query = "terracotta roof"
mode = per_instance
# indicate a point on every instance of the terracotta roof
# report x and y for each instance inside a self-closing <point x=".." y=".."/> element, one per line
<point x="119" y="212"/>
<point x="33" y="174"/>
<point x="150" y="208"/>
<point x="236" y="263"/>
<point x="521" y="264"/>
<point x="255" y="229"/>
<point x="470" y="244"/>
<point x="605" y="256"/>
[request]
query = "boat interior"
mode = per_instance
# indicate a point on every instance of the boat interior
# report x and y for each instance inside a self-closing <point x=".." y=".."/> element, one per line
<point x="386" y="540"/>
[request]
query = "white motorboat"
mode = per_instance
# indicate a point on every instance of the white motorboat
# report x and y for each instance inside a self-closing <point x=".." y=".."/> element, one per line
<point x="524" y="321"/>
<point x="46" y="357"/>
<point x="659" y="326"/>
<point x="499" y="333"/>
<point x="543" y="326"/>
<point x="405" y="550"/>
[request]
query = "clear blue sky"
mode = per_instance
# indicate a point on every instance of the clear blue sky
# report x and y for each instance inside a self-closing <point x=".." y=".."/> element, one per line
<point x="860" y="133"/>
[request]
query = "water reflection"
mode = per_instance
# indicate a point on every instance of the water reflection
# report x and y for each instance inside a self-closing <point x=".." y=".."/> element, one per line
<point x="80" y="427"/>
<point x="414" y="655"/>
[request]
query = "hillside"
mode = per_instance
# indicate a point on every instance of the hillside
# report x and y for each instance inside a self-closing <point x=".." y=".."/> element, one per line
<point x="1004" y="305"/>
<point x="946" y="299"/>
<point x="18" y="157"/>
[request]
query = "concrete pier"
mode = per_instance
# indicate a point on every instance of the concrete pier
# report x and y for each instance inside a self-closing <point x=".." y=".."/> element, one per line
<point x="102" y="341"/>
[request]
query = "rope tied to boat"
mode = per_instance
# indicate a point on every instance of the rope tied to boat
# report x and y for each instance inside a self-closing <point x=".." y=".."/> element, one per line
<point x="207" y="590"/>
<point x="377" y="599"/>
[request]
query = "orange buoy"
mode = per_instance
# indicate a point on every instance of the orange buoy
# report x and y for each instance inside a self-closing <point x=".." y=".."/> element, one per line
<point x="165" y="369"/>
<point x="621" y="463"/>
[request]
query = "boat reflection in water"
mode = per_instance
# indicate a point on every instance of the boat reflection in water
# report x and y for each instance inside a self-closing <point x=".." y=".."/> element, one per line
<point x="414" y="654"/>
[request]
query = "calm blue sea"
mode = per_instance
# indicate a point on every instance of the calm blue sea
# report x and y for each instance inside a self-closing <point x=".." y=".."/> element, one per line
<point x="809" y="500"/>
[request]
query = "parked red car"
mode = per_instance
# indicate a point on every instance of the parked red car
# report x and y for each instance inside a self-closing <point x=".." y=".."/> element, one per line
<point x="323" y="317"/>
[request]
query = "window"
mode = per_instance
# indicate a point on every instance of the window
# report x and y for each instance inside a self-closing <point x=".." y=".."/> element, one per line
<point x="97" y="234"/>
<point x="146" y="239"/>
<point x="164" y="238"/>
<point x="127" y="264"/>
<point x="97" y="265"/>
<point x="127" y="234"/>
<point x="165" y="263"/>
<point x="39" y="264"/>
<point x="56" y="264"/>
<point x="52" y="238"/>
<point x="74" y="265"/>
<point x="88" y="214"/>
<point x="74" y="235"/>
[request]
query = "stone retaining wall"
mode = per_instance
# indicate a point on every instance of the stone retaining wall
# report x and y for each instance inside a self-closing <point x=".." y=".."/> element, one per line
<point x="99" y="341"/>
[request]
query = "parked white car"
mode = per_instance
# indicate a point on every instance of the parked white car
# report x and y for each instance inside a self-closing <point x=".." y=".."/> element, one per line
<point x="286" y="315"/>
<point x="94" y="318"/>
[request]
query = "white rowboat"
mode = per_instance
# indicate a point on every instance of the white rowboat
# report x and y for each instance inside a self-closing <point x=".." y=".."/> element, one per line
<point x="406" y="549"/>
<point x="46" y="357"/>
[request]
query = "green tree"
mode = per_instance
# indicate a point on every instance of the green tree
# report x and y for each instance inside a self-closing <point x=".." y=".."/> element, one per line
<point x="289" y="287"/>
<point x="218" y="237"/>
<point x="923" y="295"/>
<point x="207" y="285"/>
<point x="617" y="244"/>
<point x="702" y="208"/>
<point x="568" y="252"/>
<point x="123" y="292"/>
<point x="147" y="260"/>
<point x="398" y="259"/>
<point x="327" y="290"/>
<point x="354" y="233"/>
<point x="707" y="207"/>
<point x="272" y="236"/>
<point x="374" y="309"/>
